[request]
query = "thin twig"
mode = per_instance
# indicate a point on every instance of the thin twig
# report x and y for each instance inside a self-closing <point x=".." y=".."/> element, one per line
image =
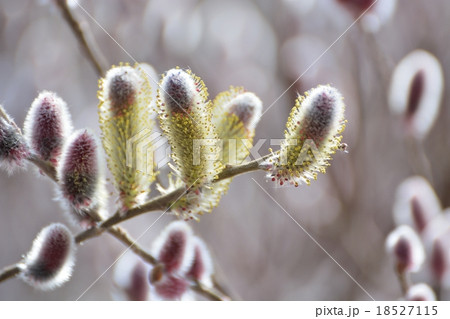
<point x="45" y="166"/>
<point x="163" y="202"/>
<point x="403" y="280"/>
<point x="234" y="170"/>
<point x="79" y="34"/>
<point x="219" y="287"/>
<point x="122" y="235"/>
<point x="10" y="272"/>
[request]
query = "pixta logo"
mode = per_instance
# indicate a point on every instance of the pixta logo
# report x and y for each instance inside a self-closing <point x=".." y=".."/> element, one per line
<point x="147" y="151"/>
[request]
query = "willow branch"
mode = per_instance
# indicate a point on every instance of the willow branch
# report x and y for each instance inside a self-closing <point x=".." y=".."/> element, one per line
<point x="163" y="202"/>
<point x="125" y="238"/>
<point x="79" y="34"/>
<point x="234" y="170"/>
<point x="403" y="280"/>
<point x="9" y="272"/>
<point x="209" y="293"/>
<point x="46" y="167"/>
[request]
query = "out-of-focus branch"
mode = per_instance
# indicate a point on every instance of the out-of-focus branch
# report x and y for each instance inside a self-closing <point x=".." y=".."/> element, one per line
<point x="122" y="235"/>
<point x="9" y="272"/>
<point x="125" y="238"/>
<point x="209" y="293"/>
<point x="80" y="36"/>
<point x="404" y="281"/>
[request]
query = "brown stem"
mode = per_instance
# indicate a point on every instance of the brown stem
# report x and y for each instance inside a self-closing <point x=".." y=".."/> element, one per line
<point x="45" y="166"/>
<point x="122" y="235"/>
<point x="209" y="293"/>
<point x="404" y="281"/>
<point x="234" y="170"/>
<point x="4" y="115"/>
<point x="163" y="202"/>
<point x="9" y="272"/>
<point x="79" y="34"/>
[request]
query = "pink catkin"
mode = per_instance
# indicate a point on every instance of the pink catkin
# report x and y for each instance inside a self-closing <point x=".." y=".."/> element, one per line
<point x="13" y="148"/>
<point x="138" y="288"/>
<point x="172" y="252"/>
<point x="47" y="126"/>
<point x="438" y="260"/>
<point x="317" y="122"/>
<point x="50" y="260"/>
<point x="359" y="6"/>
<point x="52" y="256"/>
<point x="415" y="93"/>
<point x="79" y="171"/>
<point x="198" y="266"/>
<point x="178" y="90"/>
<point x="122" y="92"/>
<point x="171" y="287"/>
<point x="402" y="251"/>
<point x="418" y="214"/>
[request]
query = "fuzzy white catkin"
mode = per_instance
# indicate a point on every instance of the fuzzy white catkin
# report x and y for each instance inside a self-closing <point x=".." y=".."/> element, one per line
<point x="174" y="247"/>
<point x="421" y="121"/>
<point x="420" y="292"/>
<point x="13" y="147"/>
<point x="427" y="205"/>
<point x="81" y="174"/>
<point x="130" y="277"/>
<point x="47" y="125"/>
<point x="57" y="243"/>
<point x="248" y="107"/>
<point x="416" y="254"/>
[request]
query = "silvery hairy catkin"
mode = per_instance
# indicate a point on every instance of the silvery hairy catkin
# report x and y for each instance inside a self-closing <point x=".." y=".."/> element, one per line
<point x="50" y="261"/>
<point x="81" y="176"/>
<point x="47" y="126"/>
<point x="173" y="248"/>
<point x="406" y="249"/>
<point x="416" y="92"/>
<point x="13" y="147"/>
<point x="420" y="292"/>
<point x="313" y="134"/>
<point x="416" y="203"/>
<point x="185" y="117"/>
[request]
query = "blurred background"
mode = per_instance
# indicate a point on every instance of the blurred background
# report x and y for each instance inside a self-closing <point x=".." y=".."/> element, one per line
<point x="263" y="45"/>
